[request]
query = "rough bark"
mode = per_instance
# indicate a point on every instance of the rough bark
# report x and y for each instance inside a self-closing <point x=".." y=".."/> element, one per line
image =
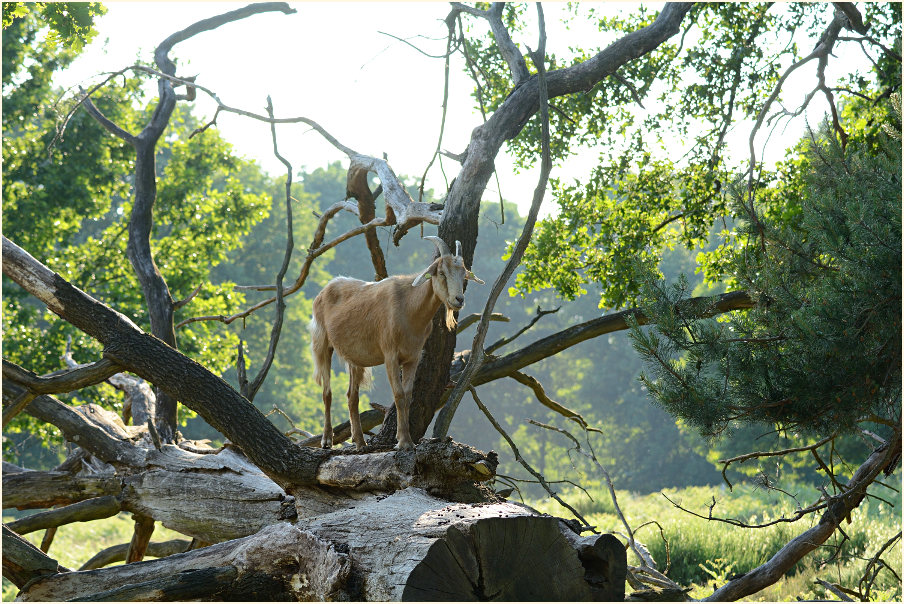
<point x="358" y="188"/>
<point x="280" y="562"/>
<point x="551" y="345"/>
<point x="23" y="562"/>
<point x="31" y="489"/>
<point x="83" y="511"/>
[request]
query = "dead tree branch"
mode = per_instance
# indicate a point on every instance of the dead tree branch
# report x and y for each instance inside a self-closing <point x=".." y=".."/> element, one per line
<point x="740" y="458"/>
<point x="507" y="48"/>
<point x="535" y="385"/>
<point x="586" y="525"/>
<point x="444" y="420"/>
<point x="83" y="511"/>
<point x="23" y="562"/>
<point x="250" y="390"/>
<point x="148" y="357"/>
<point x="839" y="507"/>
<point x="117" y="553"/>
<point x="503" y="341"/>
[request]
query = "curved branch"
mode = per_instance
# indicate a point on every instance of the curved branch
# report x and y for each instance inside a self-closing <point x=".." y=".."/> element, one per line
<point x="839" y="507"/>
<point x="117" y="553"/>
<point x="444" y="420"/>
<point x="180" y="377"/>
<point x="535" y="385"/>
<point x="83" y="511"/>
<point x="67" y="381"/>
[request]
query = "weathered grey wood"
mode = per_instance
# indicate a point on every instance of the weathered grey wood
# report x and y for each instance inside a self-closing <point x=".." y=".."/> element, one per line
<point x="402" y="530"/>
<point x="141" y="537"/>
<point x="184" y="585"/>
<point x="83" y="511"/>
<point x="117" y="553"/>
<point x="23" y="562"/>
<point x="605" y="563"/>
<point x="221" y="505"/>
<point x="280" y="562"/>
<point x="30" y="490"/>
<point x="440" y="466"/>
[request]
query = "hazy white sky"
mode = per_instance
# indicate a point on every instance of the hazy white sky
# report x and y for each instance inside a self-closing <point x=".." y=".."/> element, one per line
<point x="328" y="62"/>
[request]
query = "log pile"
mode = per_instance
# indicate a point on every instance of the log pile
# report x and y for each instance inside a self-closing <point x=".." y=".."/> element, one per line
<point x="378" y="525"/>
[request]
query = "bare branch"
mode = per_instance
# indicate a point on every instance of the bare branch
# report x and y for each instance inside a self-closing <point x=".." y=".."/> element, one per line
<point x="442" y="123"/>
<point x="117" y="553"/>
<point x="727" y="462"/>
<point x="141" y="537"/>
<point x="104" y="121"/>
<point x="441" y="427"/>
<point x="83" y="511"/>
<point x="463" y="324"/>
<point x="23" y="562"/>
<point x="821" y="52"/>
<point x="503" y="341"/>
<point x="507" y="48"/>
<point x="523" y="462"/>
<point x="86" y="375"/>
<point x="701" y="307"/>
<point x="179" y="304"/>
<point x="255" y="385"/>
<point x="535" y="385"/>
<point x="838" y="508"/>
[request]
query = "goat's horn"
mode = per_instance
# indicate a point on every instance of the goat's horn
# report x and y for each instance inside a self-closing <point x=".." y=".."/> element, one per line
<point x="441" y="246"/>
<point x="458" y="248"/>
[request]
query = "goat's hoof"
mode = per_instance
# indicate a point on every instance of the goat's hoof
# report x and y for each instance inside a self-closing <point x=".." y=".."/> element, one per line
<point x="406" y="446"/>
<point x="326" y="444"/>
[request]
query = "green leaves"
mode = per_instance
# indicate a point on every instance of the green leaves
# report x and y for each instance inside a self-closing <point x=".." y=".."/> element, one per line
<point x="822" y="349"/>
<point x="71" y="23"/>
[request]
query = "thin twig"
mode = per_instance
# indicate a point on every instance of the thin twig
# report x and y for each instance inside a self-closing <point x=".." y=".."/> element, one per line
<point x="521" y="460"/>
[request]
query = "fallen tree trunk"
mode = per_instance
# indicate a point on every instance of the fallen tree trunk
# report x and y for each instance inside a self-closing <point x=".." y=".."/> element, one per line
<point x="407" y="546"/>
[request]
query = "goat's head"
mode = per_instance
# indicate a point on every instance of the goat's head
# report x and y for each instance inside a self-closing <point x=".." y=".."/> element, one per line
<point x="447" y="275"/>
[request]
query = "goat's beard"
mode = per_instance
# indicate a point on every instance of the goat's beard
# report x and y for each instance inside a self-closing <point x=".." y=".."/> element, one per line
<point x="450" y="318"/>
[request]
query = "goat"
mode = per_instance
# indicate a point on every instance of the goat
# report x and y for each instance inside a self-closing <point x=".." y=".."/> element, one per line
<point x="386" y="322"/>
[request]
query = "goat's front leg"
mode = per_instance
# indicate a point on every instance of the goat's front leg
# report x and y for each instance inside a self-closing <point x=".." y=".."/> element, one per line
<point x="355" y="375"/>
<point x="403" y="429"/>
<point x="396" y="382"/>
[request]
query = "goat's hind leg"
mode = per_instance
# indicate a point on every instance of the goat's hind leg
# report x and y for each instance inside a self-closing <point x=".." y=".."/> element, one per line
<point x="323" y="356"/>
<point x="355" y="376"/>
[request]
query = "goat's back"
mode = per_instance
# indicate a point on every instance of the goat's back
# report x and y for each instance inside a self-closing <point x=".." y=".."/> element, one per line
<point x="361" y="319"/>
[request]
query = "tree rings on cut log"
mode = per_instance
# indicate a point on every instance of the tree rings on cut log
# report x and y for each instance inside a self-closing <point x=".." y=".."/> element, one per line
<point x="525" y="558"/>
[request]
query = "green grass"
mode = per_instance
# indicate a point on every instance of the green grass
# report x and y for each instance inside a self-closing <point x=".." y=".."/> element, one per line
<point x="74" y="544"/>
<point x="703" y="552"/>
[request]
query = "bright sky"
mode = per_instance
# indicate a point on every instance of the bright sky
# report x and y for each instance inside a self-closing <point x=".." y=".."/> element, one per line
<point x="328" y="62"/>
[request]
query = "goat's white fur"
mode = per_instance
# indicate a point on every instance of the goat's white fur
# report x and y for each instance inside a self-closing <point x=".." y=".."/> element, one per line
<point x="383" y="323"/>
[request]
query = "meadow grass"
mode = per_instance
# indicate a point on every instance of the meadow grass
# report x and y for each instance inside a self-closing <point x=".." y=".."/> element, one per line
<point x="702" y="552"/>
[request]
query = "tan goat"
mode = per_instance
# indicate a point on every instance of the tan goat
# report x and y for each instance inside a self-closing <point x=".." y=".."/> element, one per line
<point x="386" y="322"/>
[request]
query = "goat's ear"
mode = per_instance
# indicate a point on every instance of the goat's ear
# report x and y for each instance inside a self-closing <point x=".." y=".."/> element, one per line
<point x="431" y="270"/>
<point x="472" y="277"/>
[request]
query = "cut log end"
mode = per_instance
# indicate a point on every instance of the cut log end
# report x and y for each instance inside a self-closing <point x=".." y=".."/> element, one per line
<point x="525" y="559"/>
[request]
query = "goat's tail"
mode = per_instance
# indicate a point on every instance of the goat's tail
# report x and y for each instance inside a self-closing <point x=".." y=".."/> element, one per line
<point x="321" y="352"/>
